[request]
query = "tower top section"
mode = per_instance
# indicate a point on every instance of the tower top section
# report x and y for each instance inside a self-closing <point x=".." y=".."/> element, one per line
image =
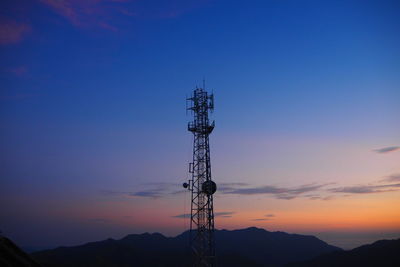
<point x="200" y="103"/>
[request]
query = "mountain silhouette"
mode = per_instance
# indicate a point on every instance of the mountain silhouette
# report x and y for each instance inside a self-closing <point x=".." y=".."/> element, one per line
<point x="244" y="247"/>
<point x="381" y="253"/>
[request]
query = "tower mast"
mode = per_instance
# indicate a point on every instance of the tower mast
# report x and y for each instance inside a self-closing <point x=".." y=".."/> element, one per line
<point x="200" y="184"/>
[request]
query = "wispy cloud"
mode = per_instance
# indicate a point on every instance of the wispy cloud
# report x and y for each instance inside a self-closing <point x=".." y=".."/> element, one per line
<point x="224" y="214"/>
<point x="227" y="187"/>
<point x="157" y="190"/>
<point x="278" y="192"/>
<point x="318" y="197"/>
<point x="104" y="14"/>
<point x="387" y="149"/>
<point x="261" y="219"/>
<point x="268" y="217"/>
<point x="148" y="193"/>
<point x="12" y="32"/>
<point x="107" y="14"/>
<point x="79" y="13"/>
<point x="366" y="189"/>
<point x="147" y="190"/>
<point x="392" y="178"/>
<point x="144" y="193"/>
<point x="312" y="191"/>
<point x="233" y="184"/>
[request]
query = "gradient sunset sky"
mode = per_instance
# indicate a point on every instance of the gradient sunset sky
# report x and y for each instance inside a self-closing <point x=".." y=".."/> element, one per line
<point x="93" y="135"/>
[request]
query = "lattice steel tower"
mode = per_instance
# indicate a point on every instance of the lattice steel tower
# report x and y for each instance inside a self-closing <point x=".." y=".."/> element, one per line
<point x="200" y="184"/>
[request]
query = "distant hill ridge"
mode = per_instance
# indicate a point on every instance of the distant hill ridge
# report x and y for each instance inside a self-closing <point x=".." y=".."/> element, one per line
<point x="245" y="247"/>
<point x="381" y="253"/>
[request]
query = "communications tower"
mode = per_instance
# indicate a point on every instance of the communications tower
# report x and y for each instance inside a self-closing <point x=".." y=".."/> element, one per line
<point x="200" y="184"/>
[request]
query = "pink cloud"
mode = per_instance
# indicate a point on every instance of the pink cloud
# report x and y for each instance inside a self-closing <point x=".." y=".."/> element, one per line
<point x="12" y="32"/>
<point x="106" y="13"/>
<point x="91" y="13"/>
<point x="76" y="11"/>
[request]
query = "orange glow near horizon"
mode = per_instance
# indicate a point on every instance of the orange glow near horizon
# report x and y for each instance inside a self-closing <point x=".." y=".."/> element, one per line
<point x="351" y="213"/>
<point x="354" y="213"/>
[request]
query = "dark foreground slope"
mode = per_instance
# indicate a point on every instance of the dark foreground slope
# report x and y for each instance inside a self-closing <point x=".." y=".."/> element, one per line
<point x="11" y="255"/>
<point x="245" y="247"/>
<point x="381" y="253"/>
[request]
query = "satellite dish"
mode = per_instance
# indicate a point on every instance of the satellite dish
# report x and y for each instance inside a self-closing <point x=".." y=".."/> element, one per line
<point x="209" y="187"/>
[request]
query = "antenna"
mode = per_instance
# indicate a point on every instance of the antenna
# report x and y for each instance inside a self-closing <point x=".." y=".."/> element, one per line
<point x="200" y="184"/>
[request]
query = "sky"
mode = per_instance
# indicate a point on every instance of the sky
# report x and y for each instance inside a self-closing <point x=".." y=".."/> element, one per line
<point x="93" y="135"/>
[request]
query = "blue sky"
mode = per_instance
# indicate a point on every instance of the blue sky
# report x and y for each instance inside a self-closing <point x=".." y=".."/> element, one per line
<point x="92" y="101"/>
